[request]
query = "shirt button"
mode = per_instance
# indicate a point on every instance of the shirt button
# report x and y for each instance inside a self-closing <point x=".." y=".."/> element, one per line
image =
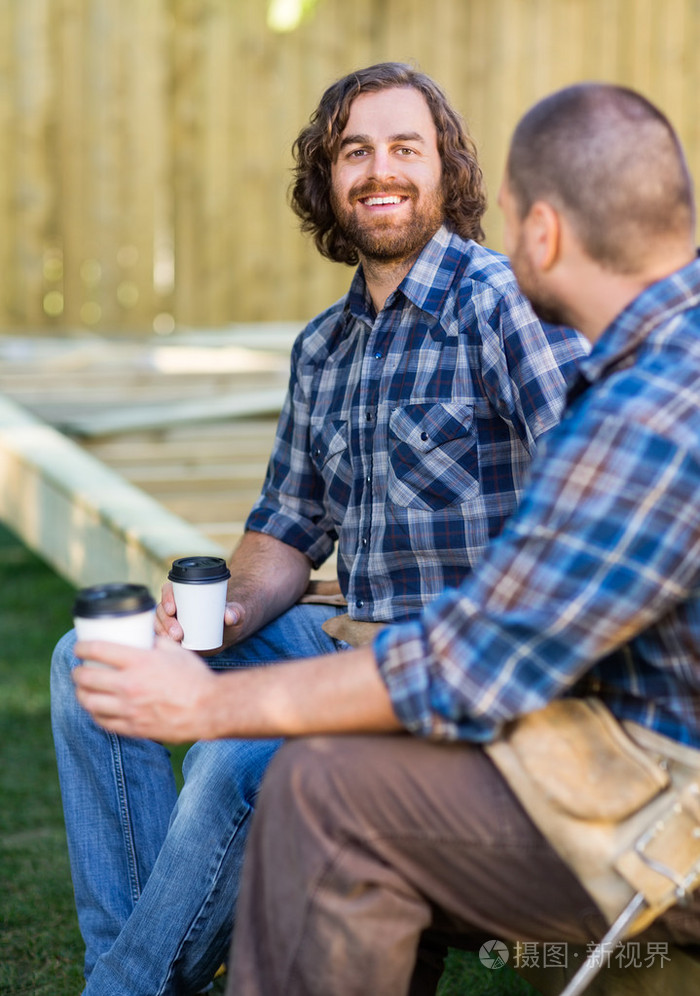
<point x="424" y="436"/>
<point x="359" y="603"/>
<point x="369" y="480"/>
<point x="364" y="541"/>
<point x="368" y="416"/>
<point x="378" y="355"/>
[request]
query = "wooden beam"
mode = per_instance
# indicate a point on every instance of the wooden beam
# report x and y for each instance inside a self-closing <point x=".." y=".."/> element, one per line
<point x="126" y="419"/>
<point x="80" y="516"/>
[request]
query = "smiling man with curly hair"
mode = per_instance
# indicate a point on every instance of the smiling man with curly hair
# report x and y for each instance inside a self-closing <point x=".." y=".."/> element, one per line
<point x="414" y="407"/>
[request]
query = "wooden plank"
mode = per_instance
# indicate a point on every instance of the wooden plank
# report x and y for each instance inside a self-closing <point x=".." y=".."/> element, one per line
<point x="149" y="417"/>
<point x="89" y="387"/>
<point x="51" y="398"/>
<point x="469" y="90"/>
<point x="288" y="110"/>
<point x="216" y="508"/>
<point x="669" y="28"/>
<point x="8" y="214"/>
<point x="274" y="335"/>
<point x="206" y="473"/>
<point x="72" y="148"/>
<point x="605" y="29"/>
<point x="147" y="214"/>
<point x="138" y="449"/>
<point x="261" y="345"/>
<point x="218" y="150"/>
<point x="187" y="183"/>
<point x="264" y="117"/>
<point x="83" y="518"/>
<point x="35" y="190"/>
<point x="132" y="459"/>
<point x="173" y="478"/>
<point x="104" y="142"/>
<point x="247" y="72"/>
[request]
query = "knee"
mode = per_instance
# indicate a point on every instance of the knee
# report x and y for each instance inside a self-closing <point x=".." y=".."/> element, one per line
<point x="225" y="773"/>
<point x="303" y="758"/>
<point x="63" y="661"/>
<point x="309" y="773"/>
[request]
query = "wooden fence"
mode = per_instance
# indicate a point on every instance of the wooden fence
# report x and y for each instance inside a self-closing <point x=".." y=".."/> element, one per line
<point x="145" y="155"/>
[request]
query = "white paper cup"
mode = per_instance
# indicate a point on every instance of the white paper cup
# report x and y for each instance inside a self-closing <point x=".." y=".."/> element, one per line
<point x="199" y="588"/>
<point x="118" y="613"/>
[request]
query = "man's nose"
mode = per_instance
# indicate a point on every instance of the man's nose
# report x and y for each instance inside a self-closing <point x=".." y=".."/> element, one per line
<point x="382" y="165"/>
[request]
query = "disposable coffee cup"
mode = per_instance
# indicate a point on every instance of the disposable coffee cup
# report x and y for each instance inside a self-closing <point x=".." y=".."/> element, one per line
<point x="116" y="612"/>
<point x="199" y="589"/>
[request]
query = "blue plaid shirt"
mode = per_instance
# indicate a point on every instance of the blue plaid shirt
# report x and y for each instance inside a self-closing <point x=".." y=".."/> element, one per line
<point x="601" y="562"/>
<point x="407" y="436"/>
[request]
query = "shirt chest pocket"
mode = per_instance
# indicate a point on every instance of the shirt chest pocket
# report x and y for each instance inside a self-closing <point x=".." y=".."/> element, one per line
<point x="433" y="455"/>
<point x="329" y="455"/>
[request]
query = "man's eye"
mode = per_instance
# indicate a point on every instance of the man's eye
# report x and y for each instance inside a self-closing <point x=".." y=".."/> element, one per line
<point x="357" y="153"/>
<point x="407" y="152"/>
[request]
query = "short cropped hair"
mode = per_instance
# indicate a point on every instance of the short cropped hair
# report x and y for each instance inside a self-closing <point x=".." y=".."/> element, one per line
<point x="610" y="160"/>
<point x="317" y="146"/>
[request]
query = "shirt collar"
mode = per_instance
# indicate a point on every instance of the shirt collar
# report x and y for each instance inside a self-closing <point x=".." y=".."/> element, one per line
<point x="432" y="273"/>
<point x="635" y="323"/>
<point x="424" y="285"/>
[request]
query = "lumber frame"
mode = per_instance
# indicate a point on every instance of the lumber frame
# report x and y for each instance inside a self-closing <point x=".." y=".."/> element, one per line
<point x="84" y="519"/>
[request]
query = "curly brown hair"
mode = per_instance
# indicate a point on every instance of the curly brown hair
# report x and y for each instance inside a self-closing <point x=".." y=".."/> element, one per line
<point x="316" y="148"/>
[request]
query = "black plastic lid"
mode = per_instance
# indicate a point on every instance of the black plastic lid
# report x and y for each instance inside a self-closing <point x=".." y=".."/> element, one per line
<point x="116" y="599"/>
<point x="199" y="570"/>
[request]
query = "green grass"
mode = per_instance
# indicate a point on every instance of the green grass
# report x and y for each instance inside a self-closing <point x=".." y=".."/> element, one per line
<point x="41" y="951"/>
<point x="41" y="947"/>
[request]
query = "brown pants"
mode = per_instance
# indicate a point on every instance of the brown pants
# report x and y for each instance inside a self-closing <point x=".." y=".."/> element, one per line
<point x="368" y="854"/>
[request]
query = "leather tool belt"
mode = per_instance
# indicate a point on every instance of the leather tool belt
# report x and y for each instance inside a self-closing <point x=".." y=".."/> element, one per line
<point x="618" y="802"/>
<point x="355" y="632"/>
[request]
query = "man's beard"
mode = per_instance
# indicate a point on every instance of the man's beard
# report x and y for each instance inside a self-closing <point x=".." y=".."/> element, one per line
<point x="381" y="239"/>
<point x="548" y="310"/>
<point x="546" y="306"/>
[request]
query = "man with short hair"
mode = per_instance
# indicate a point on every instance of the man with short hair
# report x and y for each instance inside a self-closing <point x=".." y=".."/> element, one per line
<point x="414" y="408"/>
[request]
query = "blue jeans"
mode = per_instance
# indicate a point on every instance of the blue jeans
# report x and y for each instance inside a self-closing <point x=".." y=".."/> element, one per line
<point x="156" y="875"/>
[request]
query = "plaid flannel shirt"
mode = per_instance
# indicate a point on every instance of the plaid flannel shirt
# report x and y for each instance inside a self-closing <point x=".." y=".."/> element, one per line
<point x="407" y="436"/>
<point x="593" y="587"/>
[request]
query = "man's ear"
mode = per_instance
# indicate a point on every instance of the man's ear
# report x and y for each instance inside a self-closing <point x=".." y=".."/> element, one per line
<point x="544" y="235"/>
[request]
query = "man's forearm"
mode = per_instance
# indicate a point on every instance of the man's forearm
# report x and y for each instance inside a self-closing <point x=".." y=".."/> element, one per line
<point x="338" y="693"/>
<point x="267" y="577"/>
<point x="169" y="694"/>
